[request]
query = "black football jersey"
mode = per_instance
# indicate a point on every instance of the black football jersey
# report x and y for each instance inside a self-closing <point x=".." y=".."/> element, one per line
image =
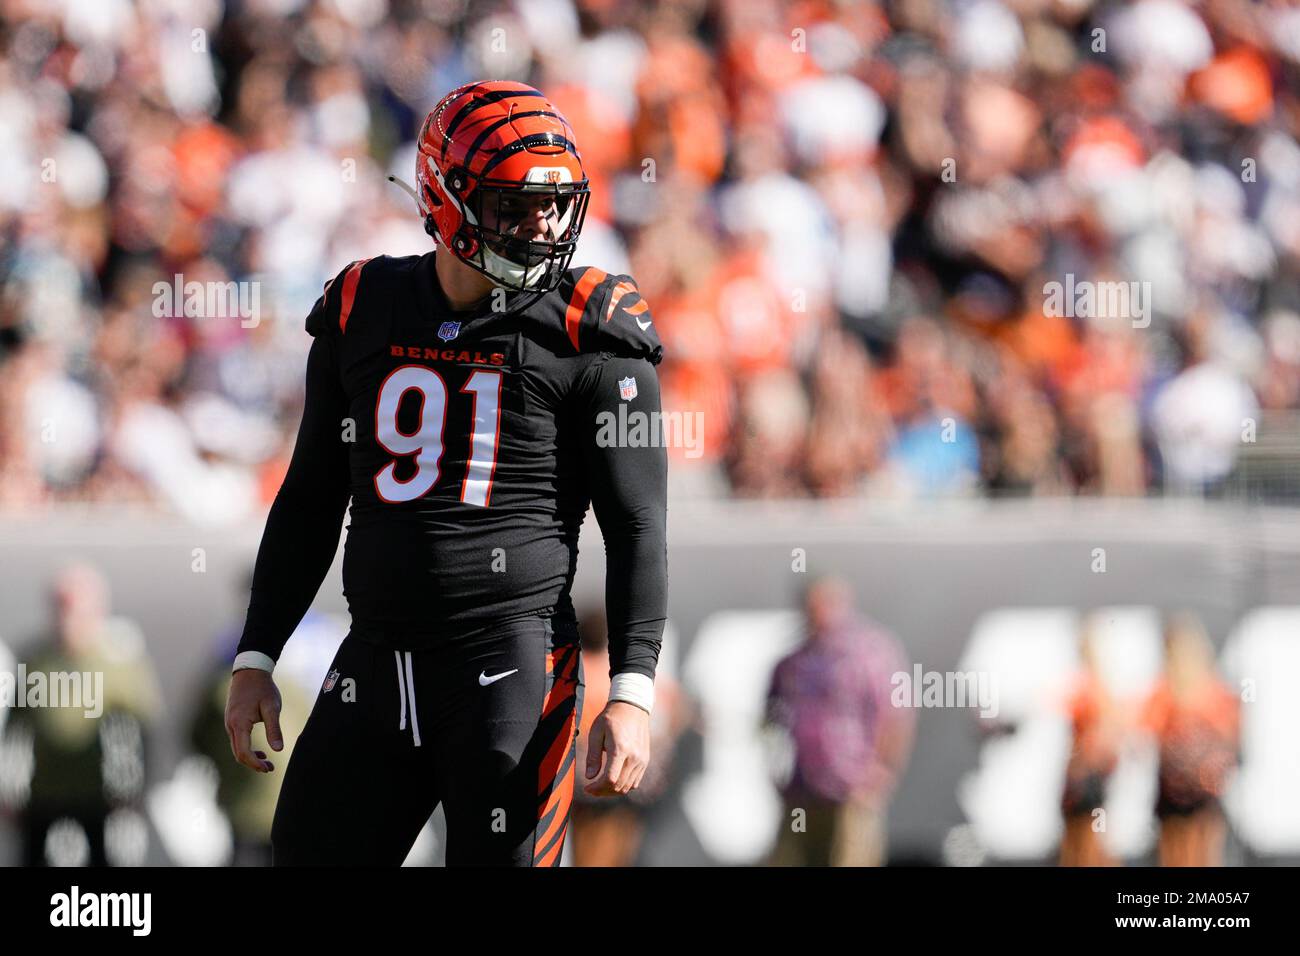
<point x="470" y="446"/>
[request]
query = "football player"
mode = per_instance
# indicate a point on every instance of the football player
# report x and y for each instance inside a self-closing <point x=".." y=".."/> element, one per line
<point x="460" y="401"/>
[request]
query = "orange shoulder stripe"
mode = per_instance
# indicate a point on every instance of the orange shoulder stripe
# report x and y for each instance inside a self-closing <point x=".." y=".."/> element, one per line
<point x="578" y="302"/>
<point x="350" y="282"/>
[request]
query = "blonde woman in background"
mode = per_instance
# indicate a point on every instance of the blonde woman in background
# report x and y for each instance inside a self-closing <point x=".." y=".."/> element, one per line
<point x="1195" y="718"/>
<point x="1096" y="721"/>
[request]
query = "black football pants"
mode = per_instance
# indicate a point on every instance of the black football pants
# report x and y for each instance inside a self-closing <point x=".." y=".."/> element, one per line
<point x="486" y="726"/>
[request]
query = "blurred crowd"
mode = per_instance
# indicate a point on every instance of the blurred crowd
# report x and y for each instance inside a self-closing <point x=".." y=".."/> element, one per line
<point x="844" y="216"/>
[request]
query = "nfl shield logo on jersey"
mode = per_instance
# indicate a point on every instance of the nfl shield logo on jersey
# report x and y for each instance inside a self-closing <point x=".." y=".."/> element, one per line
<point x="448" y="331"/>
<point x="330" y="681"/>
<point x="627" y="388"/>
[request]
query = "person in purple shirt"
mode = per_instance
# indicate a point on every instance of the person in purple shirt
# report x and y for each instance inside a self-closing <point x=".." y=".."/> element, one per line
<point x="831" y="698"/>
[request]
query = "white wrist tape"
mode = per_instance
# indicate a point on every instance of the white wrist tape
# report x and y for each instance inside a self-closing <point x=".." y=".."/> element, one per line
<point x="633" y="688"/>
<point x="254" y="660"/>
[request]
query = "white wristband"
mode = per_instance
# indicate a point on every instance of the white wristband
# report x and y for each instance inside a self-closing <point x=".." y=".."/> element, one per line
<point x="253" y="660"/>
<point x="634" y="689"/>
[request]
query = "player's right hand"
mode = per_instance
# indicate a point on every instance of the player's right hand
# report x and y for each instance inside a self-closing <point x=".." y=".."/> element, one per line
<point x="253" y="699"/>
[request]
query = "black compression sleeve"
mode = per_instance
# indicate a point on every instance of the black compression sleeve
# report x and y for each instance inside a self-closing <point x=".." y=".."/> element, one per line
<point x="303" y="527"/>
<point x="629" y="491"/>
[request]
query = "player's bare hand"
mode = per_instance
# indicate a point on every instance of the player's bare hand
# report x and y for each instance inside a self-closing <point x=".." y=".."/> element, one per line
<point x="621" y="736"/>
<point x="254" y="699"/>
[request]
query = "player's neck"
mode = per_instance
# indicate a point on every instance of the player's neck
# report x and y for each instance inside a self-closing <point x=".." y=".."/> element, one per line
<point x="463" y="287"/>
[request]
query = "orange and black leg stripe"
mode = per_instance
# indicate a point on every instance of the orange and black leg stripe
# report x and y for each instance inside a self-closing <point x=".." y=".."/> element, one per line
<point x="557" y="773"/>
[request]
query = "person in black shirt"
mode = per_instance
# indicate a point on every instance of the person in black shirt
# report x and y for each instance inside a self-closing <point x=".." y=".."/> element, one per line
<point x="471" y="404"/>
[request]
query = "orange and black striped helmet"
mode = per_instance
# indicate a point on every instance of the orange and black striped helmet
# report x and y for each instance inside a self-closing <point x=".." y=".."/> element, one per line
<point x="489" y="154"/>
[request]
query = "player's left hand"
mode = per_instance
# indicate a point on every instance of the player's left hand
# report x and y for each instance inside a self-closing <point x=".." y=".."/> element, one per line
<point x="622" y="735"/>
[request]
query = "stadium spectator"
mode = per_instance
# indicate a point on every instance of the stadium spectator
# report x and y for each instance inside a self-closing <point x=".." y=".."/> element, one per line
<point x="248" y="800"/>
<point x="607" y="831"/>
<point x="89" y="753"/>
<point x="1096" y="728"/>
<point x="1195" y="719"/>
<point x="831" y="696"/>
